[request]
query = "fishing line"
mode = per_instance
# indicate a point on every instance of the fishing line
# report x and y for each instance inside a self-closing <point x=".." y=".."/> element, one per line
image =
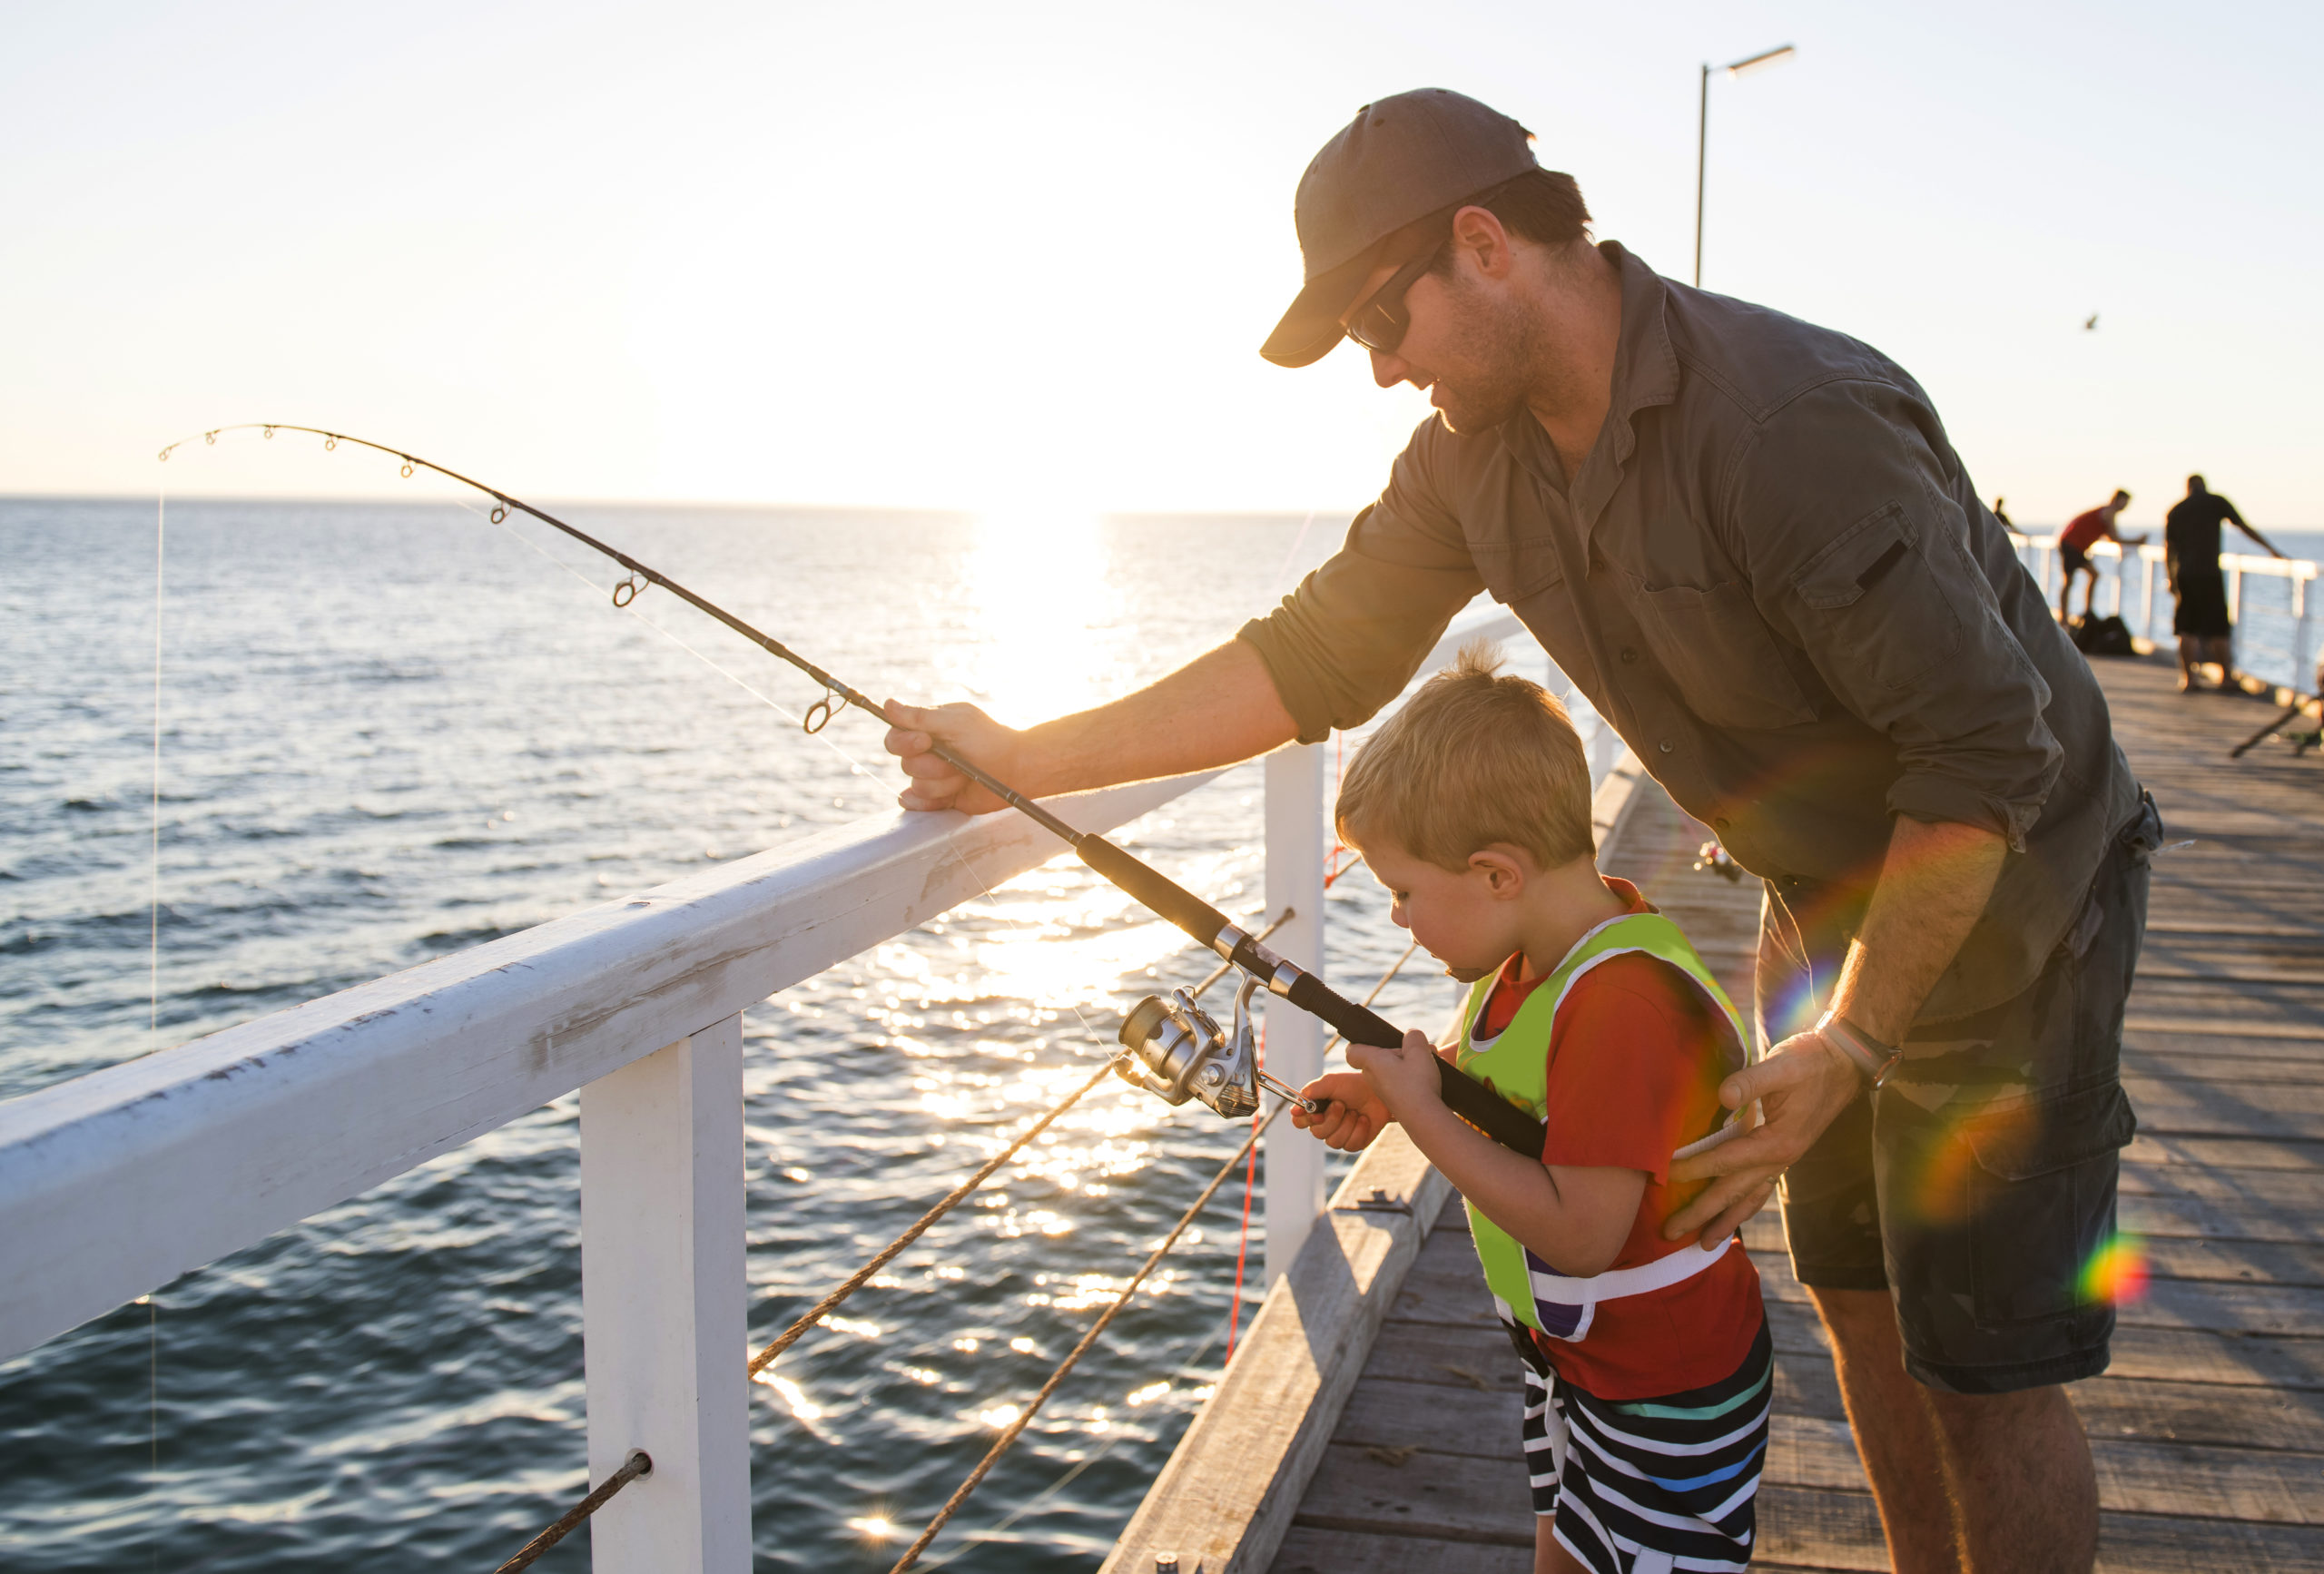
<point x="855" y="766"/>
<point x="1472" y="1100"/>
<point x="153" y="962"/>
<point x="153" y="1006"/>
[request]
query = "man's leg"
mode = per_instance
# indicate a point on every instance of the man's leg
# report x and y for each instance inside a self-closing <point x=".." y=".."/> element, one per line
<point x="2065" y="596"/>
<point x="2189" y="649"/>
<point x="2221" y="650"/>
<point x="1895" y="1430"/>
<point x="2024" y="1492"/>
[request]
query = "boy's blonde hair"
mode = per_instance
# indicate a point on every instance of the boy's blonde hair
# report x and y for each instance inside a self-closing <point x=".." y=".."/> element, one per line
<point x="1476" y="758"/>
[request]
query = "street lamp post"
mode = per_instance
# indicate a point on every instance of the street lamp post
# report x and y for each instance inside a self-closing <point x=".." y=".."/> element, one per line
<point x="1702" y="135"/>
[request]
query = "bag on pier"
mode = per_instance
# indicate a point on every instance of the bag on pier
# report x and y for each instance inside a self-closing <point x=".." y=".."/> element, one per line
<point x="2103" y="636"/>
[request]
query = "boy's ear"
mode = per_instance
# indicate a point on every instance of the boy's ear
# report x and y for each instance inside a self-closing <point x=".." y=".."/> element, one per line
<point x="1505" y="875"/>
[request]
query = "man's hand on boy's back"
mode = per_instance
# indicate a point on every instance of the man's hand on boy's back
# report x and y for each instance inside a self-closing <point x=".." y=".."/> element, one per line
<point x="1801" y="1084"/>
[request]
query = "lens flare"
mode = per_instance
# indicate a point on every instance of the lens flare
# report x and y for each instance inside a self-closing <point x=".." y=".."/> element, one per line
<point x="2116" y="1273"/>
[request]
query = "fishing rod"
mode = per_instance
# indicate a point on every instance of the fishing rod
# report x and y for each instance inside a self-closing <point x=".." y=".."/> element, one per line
<point x="1183" y="1052"/>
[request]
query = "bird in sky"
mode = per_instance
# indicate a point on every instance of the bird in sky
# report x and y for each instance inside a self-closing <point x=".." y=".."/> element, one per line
<point x="2089" y="324"/>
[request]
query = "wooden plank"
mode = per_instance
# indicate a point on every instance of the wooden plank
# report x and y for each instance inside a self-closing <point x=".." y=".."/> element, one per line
<point x="1384" y="1413"/>
<point x="2169" y="1304"/>
<point x="2182" y="1107"/>
<point x="1309" y="1549"/>
<point x="1841" y="1530"/>
<point x="2235" y="1071"/>
<point x="2232" y="1359"/>
<point x="1474" y="1357"/>
<point x="2173" y="1242"/>
<point x="1226" y="1498"/>
<point x="2134" y="1475"/>
<point x="2299" y="1160"/>
<point x="1437" y="1496"/>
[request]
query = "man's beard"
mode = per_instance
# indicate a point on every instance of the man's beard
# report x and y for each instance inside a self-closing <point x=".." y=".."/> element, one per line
<point x="1495" y="346"/>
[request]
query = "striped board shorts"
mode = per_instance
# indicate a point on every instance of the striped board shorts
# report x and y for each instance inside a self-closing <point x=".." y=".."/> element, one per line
<point x="1645" y="1486"/>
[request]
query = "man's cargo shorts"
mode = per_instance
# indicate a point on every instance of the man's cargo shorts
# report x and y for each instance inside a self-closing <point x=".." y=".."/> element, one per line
<point x="1977" y="1186"/>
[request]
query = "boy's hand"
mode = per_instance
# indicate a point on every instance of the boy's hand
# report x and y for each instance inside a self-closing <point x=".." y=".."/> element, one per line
<point x="1405" y="1078"/>
<point x="1351" y="1118"/>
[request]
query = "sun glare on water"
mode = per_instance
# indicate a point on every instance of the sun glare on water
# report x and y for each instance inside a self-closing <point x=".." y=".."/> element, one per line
<point x="1035" y="592"/>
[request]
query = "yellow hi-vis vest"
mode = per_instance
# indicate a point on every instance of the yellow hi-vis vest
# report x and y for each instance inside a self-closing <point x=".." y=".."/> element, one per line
<point x="1515" y="1064"/>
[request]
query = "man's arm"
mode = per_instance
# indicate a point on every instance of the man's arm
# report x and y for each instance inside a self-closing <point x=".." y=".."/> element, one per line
<point x="1219" y="708"/>
<point x="1869" y="566"/>
<point x="1933" y="885"/>
<point x="2237" y="520"/>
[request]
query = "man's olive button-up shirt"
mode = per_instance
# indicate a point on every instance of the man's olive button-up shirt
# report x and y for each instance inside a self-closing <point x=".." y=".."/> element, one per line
<point x="1773" y="557"/>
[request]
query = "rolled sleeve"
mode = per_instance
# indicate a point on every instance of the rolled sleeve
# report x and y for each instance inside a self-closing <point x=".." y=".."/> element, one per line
<point x="1860" y="551"/>
<point x="1349" y="639"/>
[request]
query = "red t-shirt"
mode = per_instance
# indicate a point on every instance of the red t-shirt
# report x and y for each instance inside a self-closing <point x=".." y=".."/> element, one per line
<point x="1635" y="1065"/>
<point x="2085" y="531"/>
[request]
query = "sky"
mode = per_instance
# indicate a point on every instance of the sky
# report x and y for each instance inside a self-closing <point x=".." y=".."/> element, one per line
<point x="1016" y="256"/>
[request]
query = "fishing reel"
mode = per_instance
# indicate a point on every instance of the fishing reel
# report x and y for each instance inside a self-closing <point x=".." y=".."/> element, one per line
<point x="1176" y="1052"/>
<point x="1711" y="856"/>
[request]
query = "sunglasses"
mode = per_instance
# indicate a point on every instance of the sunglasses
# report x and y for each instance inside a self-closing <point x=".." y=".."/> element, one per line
<point x="1379" y="323"/>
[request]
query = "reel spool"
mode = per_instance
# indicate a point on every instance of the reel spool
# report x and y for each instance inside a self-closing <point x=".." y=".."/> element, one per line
<point x="1178" y="1052"/>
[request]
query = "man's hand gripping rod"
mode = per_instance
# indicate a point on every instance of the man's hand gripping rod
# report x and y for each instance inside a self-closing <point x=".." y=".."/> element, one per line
<point x="1469" y="1099"/>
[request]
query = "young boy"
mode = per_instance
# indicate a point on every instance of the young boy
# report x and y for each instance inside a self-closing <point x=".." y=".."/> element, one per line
<point x="1648" y="1365"/>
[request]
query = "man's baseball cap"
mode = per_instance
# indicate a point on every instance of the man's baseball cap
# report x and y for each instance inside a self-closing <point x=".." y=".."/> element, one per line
<point x="1399" y="161"/>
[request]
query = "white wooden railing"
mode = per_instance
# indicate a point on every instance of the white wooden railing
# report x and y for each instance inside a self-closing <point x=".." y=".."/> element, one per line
<point x="2114" y="563"/>
<point x="115" y="1182"/>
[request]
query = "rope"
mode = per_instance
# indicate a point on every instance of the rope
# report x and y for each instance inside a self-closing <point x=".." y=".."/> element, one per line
<point x="955" y="1197"/>
<point x="1015" y="1428"/>
<point x="952" y="1199"/>
<point x="639" y="1463"/>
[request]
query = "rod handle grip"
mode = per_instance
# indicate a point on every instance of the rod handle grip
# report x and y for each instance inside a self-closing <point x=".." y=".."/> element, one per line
<point x="1151" y="887"/>
<point x="1465" y="1096"/>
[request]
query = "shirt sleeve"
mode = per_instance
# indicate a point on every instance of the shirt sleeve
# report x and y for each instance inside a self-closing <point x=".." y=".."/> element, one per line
<point x="1349" y="639"/>
<point x="1859" y="547"/>
<point x="1631" y="1066"/>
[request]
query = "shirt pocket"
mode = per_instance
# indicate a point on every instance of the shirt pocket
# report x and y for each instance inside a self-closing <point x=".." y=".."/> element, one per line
<point x="1720" y="654"/>
<point x="1888" y="615"/>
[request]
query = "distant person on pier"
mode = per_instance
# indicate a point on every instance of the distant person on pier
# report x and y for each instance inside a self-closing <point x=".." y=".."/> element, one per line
<point x="2002" y="517"/>
<point x="2190" y="541"/>
<point x="1749" y="542"/>
<point x="2083" y="532"/>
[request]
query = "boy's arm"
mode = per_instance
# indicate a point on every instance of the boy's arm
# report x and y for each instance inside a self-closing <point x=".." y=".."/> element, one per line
<point x="1575" y="1219"/>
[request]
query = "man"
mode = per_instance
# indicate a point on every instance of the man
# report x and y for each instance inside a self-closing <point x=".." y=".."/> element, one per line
<point x="2198" y="588"/>
<point x="2085" y="531"/>
<point x="1748" y="541"/>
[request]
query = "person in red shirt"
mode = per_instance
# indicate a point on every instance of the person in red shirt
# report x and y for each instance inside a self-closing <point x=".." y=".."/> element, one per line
<point x="1649" y="1367"/>
<point x="2082" y="533"/>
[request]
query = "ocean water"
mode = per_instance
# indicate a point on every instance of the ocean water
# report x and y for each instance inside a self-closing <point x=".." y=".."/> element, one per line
<point x="391" y="731"/>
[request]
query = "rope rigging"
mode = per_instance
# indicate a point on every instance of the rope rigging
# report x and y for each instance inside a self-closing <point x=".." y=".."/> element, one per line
<point x="1210" y="928"/>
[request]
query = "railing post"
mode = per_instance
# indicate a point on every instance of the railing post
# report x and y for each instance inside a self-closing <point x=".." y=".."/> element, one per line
<point x="2147" y="616"/>
<point x="662" y="1306"/>
<point x="2234" y="618"/>
<point x="1295" y="849"/>
<point x="2300" y="600"/>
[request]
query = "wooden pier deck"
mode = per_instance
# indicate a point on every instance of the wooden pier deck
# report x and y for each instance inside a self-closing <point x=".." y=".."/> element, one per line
<point x="2209" y="1430"/>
